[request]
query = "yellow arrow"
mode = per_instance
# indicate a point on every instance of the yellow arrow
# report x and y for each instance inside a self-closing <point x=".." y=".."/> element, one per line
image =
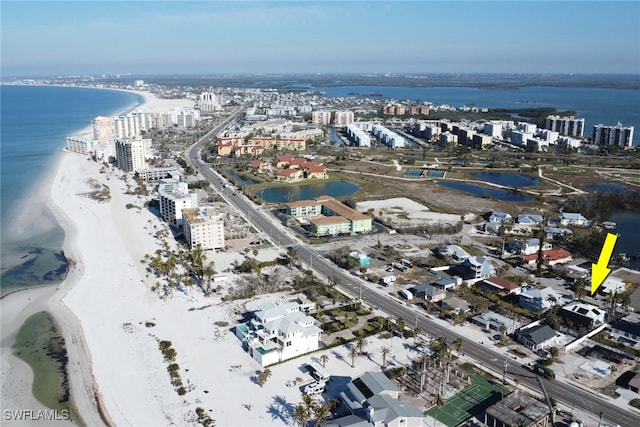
<point x="599" y="271"/>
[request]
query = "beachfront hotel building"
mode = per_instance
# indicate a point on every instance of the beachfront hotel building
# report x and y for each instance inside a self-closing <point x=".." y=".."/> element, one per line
<point x="203" y="226"/>
<point x="174" y="196"/>
<point x="329" y="217"/>
<point x="613" y="135"/>
<point x="78" y="145"/>
<point x="279" y="331"/>
<point x="130" y="154"/>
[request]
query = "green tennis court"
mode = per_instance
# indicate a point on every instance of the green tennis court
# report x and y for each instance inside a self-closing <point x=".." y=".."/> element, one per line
<point x="473" y="399"/>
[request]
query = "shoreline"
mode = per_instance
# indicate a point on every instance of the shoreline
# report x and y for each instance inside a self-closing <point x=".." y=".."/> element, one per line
<point x="39" y="211"/>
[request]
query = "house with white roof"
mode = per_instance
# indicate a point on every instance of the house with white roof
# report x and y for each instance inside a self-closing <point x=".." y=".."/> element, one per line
<point x="500" y="217"/>
<point x="278" y="331"/>
<point x="373" y="400"/>
<point x="612" y="285"/>
<point x="573" y="219"/>
<point x="582" y="314"/>
<point x="538" y="300"/>
<point x="530" y="219"/>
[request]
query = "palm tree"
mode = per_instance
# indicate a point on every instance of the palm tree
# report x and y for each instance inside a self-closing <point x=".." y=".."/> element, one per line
<point x="353" y="352"/>
<point x="400" y="325"/>
<point x="302" y="414"/>
<point x="458" y="343"/>
<point x="361" y="342"/>
<point x="324" y="359"/>
<point x="321" y="413"/>
<point x="385" y="351"/>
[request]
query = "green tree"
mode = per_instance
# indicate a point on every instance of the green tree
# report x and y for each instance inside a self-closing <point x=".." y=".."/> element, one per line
<point x="302" y="414"/>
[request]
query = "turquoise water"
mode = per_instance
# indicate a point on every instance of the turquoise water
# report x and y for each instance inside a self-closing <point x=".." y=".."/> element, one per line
<point x="35" y="122"/>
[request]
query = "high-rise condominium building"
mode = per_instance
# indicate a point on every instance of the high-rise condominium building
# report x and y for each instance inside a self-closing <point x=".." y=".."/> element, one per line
<point x="130" y="154"/>
<point x="203" y="226"/>
<point x="174" y="196"/>
<point x="102" y="129"/>
<point x="321" y="118"/>
<point x="613" y="135"/>
<point x="566" y="126"/>
<point x="208" y="101"/>
<point x="343" y="118"/>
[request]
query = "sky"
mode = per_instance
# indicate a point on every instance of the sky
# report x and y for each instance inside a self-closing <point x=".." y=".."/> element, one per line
<point x="211" y="37"/>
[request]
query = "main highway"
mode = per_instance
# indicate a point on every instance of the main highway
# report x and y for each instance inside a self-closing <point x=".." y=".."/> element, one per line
<point x="569" y="395"/>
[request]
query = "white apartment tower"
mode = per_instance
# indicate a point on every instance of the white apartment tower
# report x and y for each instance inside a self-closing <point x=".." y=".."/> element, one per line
<point x="202" y="226"/>
<point x="321" y="118"/>
<point x="102" y="129"/>
<point x="343" y="118"/>
<point x="174" y="196"/>
<point x="565" y="126"/>
<point x="130" y="154"/>
<point x="208" y="101"/>
<point x="613" y="135"/>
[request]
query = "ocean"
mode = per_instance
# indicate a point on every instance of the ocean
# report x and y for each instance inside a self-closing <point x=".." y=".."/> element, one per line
<point x="35" y="120"/>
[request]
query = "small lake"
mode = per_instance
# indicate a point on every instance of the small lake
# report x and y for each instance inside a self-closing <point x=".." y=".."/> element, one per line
<point x="506" y="179"/>
<point x="307" y="191"/>
<point x="240" y="180"/>
<point x="607" y="188"/>
<point x="488" y="192"/>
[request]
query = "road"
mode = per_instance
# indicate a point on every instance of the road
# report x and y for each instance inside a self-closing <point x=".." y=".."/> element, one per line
<point x="567" y="394"/>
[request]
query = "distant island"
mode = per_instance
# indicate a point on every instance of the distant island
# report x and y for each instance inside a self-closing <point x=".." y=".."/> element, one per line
<point x="482" y="81"/>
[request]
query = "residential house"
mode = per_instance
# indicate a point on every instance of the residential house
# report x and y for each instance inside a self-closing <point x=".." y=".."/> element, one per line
<point x="500" y="217"/>
<point x="517" y="409"/>
<point x="627" y="330"/>
<point x="549" y="257"/>
<point x="283" y="161"/>
<point x="582" y="314"/>
<point x="457" y="305"/>
<point x="573" y="219"/>
<point x="530" y="219"/>
<point x="532" y="246"/>
<point x="373" y="400"/>
<point x="479" y="266"/>
<point x="612" y="285"/>
<point x="557" y="233"/>
<point x="429" y="292"/>
<point x="278" y="332"/>
<point x="499" y="285"/>
<point x="538" y="300"/>
<point x="537" y="337"/>
<point x="490" y="320"/>
<point x="634" y="383"/>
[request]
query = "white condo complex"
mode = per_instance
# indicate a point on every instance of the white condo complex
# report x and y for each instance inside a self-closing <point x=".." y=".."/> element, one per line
<point x="279" y="332"/>
<point x="174" y="196"/>
<point x="203" y="226"/>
